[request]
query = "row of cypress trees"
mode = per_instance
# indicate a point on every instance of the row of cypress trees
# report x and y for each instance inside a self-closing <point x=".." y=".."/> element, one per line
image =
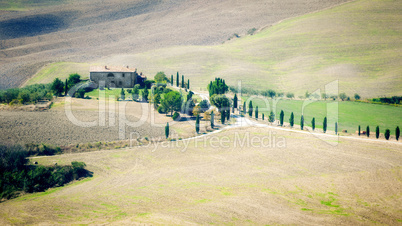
<point x="387" y="133"/>
<point x="182" y="85"/>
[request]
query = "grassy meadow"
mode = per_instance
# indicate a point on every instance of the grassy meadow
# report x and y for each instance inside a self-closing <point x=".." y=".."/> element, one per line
<point x="350" y="114"/>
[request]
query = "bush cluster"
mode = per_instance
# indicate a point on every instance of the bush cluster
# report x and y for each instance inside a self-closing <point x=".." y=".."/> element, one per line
<point x="28" y="94"/>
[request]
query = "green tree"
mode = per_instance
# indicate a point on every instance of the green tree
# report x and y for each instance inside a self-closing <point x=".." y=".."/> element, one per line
<point x="223" y="117"/>
<point x="135" y="92"/>
<point x="313" y="124"/>
<point x="262" y="116"/>
<point x="145" y="94"/>
<point x="212" y="119"/>
<point x="324" y="125"/>
<point x="73" y="79"/>
<point x="160" y="77"/>
<point x="220" y="101"/>
<point x="235" y="101"/>
<point x="57" y="87"/>
<point x="301" y="122"/>
<point x="387" y="134"/>
<point x="182" y="81"/>
<point x="359" y="130"/>
<point x="217" y="87"/>
<point x="244" y="108"/>
<point x="271" y="117"/>
<point x="256" y="112"/>
<point x="292" y="119"/>
<point x="281" y="116"/>
<point x="336" y="128"/>
<point x="157" y="100"/>
<point x="177" y="79"/>
<point x="122" y="95"/>
<point x="357" y="96"/>
<point x="343" y="96"/>
<point x="250" y="108"/>
<point x="271" y="93"/>
<point x="290" y="95"/>
<point x="167" y="130"/>
<point x="171" y="102"/>
<point x="368" y="131"/>
<point x="397" y="133"/>
<point x="188" y="83"/>
<point x="197" y="124"/>
<point x="65" y="88"/>
<point x="171" y="80"/>
<point x="377" y="132"/>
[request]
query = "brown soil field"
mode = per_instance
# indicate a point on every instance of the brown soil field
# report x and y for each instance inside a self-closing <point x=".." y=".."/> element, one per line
<point x="227" y="178"/>
<point x="87" y="31"/>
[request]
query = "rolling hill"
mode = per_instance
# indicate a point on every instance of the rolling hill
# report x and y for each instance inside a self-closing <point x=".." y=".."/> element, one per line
<point x="36" y="33"/>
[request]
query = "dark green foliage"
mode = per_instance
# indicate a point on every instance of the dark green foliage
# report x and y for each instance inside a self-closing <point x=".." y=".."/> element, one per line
<point x="271" y="118"/>
<point x="167" y="130"/>
<point x="175" y="115"/>
<point x="197" y="124"/>
<point x="269" y="93"/>
<point x="80" y="93"/>
<point x="188" y="108"/>
<point x="217" y="87"/>
<point x="336" y="128"/>
<point x="359" y="130"/>
<point x="28" y="94"/>
<point x="223" y="117"/>
<point x="388" y="100"/>
<point x="188" y="83"/>
<point x="135" y="92"/>
<point x="157" y="100"/>
<point x="160" y="77"/>
<point x="122" y="94"/>
<point x="324" y="125"/>
<point x="171" y="101"/>
<point x="357" y="96"/>
<point x="244" y="108"/>
<point x="182" y="81"/>
<point x="397" y="133"/>
<point x="171" y="80"/>
<point x="43" y="149"/>
<point x="256" y="112"/>
<point x="235" y="100"/>
<point x="281" y="116"/>
<point x="262" y="116"/>
<point x="65" y="88"/>
<point x="145" y="94"/>
<point x="387" y="134"/>
<point x="291" y="119"/>
<point x="377" y="132"/>
<point x="250" y="108"/>
<point x="227" y="115"/>
<point x="221" y="102"/>
<point x="343" y="96"/>
<point x="290" y="95"/>
<point x="212" y="119"/>
<point x="204" y="105"/>
<point x="57" y="87"/>
<point x="368" y="131"/>
<point x="313" y="124"/>
<point x="301" y="122"/>
<point x="177" y="79"/>
<point x="148" y="84"/>
<point x="161" y="110"/>
<point x="72" y="80"/>
<point x="16" y="175"/>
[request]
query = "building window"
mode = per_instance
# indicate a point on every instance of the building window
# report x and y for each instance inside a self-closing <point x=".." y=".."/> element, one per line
<point x="123" y="75"/>
<point x="110" y="75"/>
<point x="120" y="83"/>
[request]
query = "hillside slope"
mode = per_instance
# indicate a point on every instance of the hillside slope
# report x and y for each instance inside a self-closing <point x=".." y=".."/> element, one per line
<point x="89" y="30"/>
<point x="357" y="43"/>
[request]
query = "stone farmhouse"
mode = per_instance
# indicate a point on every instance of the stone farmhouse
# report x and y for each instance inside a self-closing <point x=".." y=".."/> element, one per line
<point x="115" y="77"/>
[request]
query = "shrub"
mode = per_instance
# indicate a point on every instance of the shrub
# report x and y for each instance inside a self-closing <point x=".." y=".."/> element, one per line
<point x="324" y="125"/>
<point x="176" y="115"/>
<point x="161" y="109"/>
<point x="397" y="133"/>
<point x="377" y="132"/>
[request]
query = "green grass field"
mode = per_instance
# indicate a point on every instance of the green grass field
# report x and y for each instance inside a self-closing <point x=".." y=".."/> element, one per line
<point x="350" y="114"/>
<point x="21" y="5"/>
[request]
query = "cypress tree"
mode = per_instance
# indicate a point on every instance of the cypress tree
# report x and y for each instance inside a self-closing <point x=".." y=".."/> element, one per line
<point x="228" y="115"/>
<point x="291" y="119"/>
<point x="313" y="124"/>
<point x="188" y="83"/>
<point x="359" y="130"/>
<point x="182" y="81"/>
<point x="336" y="128"/>
<point x="65" y="88"/>
<point x="256" y="112"/>
<point x="244" y="108"/>
<point x="271" y="118"/>
<point x="177" y="79"/>
<point x="301" y="122"/>
<point x="167" y="130"/>
<point x="235" y="101"/>
<point x="324" y="125"/>
<point x="368" y="131"/>
<point x="387" y="134"/>
<point x="397" y="133"/>
<point x="262" y="116"/>
<point x="223" y="117"/>
<point x="377" y="132"/>
<point x="197" y="124"/>
<point x="250" y="109"/>
<point x="171" y="80"/>
<point x="122" y="96"/>
<point x="212" y="119"/>
<point x="281" y="117"/>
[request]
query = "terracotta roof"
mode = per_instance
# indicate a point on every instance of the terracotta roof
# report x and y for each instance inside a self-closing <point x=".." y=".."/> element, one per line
<point x="111" y="69"/>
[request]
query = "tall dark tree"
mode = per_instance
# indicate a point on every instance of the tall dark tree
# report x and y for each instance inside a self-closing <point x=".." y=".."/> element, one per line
<point x="377" y="132"/>
<point x="397" y="133"/>
<point x="244" y="108"/>
<point x="145" y="94"/>
<point x="368" y="131"/>
<point x="122" y="94"/>
<point x="336" y="128"/>
<point x="262" y="116"/>
<point x="171" y="80"/>
<point x="324" y="125"/>
<point x="235" y="101"/>
<point x="313" y="124"/>
<point x="387" y="134"/>
<point x="167" y="130"/>
<point x="212" y="119"/>
<point x="281" y="116"/>
<point x="188" y="83"/>
<point x="359" y="130"/>
<point x="177" y="79"/>
<point x="292" y="119"/>
<point x="182" y="81"/>
<point x="250" y="108"/>
<point x="271" y="118"/>
<point x="223" y="117"/>
<point x="227" y="115"/>
<point x="65" y="88"/>
<point x="301" y="122"/>
<point x="217" y="87"/>
<point x="197" y="124"/>
<point x="57" y="87"/>
<point x="256" y="112"/>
